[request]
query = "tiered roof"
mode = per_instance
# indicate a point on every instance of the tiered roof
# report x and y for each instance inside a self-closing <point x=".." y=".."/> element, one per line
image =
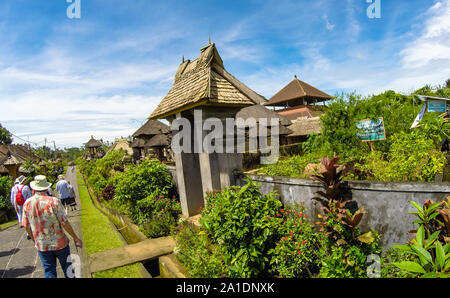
<point x="93" y="143"/>
<point x="300" y="91"/>
<point x="205" y="81"/>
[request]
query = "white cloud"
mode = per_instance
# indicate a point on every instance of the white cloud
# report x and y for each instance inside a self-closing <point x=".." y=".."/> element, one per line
<point x="328" y="25"/>
<point x="433" y="43"/>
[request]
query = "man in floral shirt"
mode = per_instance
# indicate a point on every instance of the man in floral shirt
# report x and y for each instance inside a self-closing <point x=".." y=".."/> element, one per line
<point x="44" y="218"/>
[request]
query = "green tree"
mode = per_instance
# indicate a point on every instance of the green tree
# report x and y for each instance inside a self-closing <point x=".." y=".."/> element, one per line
<point x="5" y="136"/>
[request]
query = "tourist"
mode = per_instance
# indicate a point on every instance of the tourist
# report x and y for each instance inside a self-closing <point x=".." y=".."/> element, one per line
<point x="73" y="202"/>
<point x="19" y="194"/>
<point x="44" y="219"/>
<point x="62" y="187"/>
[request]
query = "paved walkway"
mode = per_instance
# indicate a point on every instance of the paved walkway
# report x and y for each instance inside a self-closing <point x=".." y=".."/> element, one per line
<point x="18" y="256"/>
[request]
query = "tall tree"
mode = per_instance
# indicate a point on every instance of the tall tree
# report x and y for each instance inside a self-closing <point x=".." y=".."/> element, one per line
<point x="5" y="136"/>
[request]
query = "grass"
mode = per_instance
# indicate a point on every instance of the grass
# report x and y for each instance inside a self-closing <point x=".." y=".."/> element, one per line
<point x="8" y="224"/>
<point x="99" y="236"/>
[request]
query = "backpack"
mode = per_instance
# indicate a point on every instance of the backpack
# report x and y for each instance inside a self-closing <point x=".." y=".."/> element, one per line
<point x="20" y="200"/>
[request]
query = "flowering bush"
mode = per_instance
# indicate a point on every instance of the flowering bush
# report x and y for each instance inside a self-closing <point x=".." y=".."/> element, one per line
<point x="108" y="192"/>
<point x="298" y="252"/>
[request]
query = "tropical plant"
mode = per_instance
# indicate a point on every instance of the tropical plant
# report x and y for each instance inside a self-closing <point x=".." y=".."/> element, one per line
<point x="434" y="217"/>
<point x="428" y="257"/>
<point x="331" y="179"/>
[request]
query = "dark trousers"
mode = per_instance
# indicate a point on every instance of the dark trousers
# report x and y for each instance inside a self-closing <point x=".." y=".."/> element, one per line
<point x="48" y="259"/>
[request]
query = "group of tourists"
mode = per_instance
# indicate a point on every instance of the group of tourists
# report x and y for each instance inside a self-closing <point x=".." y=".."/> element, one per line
<point x="45" y="218"/>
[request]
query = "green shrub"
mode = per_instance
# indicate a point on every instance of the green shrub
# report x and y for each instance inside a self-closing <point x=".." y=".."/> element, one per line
<point x="6" y="184"/>
<point x="411" y="157"/>
<point x="245" y="223"/>
<point x="200" y="257"/>
<point x="298" y="253"/>
<point x="145" y="189"/>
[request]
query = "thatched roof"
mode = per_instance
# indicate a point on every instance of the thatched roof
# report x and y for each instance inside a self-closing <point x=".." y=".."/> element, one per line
<point x="158" y="141"/>
<point x="138" y="143"/>
<point x="205" y="81"/>
<point x="20" y="152"/>
<point x="305" y="126"/>
<point x="152" y="127"/>
<point x="295" y="90"/>
<point x="123" y="144"/>
<point x="11" y="160"/>
<point x="260" y="112"/>
<point x="93" y="143"/>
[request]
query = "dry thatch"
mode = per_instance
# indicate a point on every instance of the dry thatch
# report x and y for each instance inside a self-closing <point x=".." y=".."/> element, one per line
<point x="93" y="143"/>
<point x="21" y="153"/>
<point x="205" y="81"/>
<point x="138" y="143"/>
<point x="305" y="126"/>
<point x="158" y="141"/>
<point x="152" y="127"/>
<point x="260" y="112"/>
<point x="296" y="90"/>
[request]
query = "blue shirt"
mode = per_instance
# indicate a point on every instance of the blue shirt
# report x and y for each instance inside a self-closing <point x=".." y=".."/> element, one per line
<point x="26" y="193"/>
<point x="62" y="187"/>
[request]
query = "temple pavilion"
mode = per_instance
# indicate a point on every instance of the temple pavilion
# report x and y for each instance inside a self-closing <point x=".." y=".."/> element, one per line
<point x="300" y="102"/>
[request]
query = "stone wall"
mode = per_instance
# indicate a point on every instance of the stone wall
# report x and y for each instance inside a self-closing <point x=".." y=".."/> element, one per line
<point x="387" y="202"/>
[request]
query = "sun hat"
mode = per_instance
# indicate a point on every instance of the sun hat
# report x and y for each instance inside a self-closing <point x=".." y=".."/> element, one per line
<point x="60" y="177"/>
<point x="20" y="179"/>
<point x="40" y="183"/>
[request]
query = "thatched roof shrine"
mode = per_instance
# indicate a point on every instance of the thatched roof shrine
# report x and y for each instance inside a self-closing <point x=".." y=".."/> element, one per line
<point x="158" y="141"/>
<point x="93" y="143"/>
<point x="305" y="126"/>
<point x="296" y="93"/>
<point x="205" y="82"/>
<point x="151" y="128"/>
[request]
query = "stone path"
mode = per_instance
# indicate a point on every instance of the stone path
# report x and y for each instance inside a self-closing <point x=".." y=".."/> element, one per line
<point x="18" y="256"/>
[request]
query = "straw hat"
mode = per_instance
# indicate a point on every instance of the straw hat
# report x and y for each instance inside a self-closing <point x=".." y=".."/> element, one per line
<point x="40" y="183"/>
<point x="20" y="179"/>
<point x="60" y="177"/>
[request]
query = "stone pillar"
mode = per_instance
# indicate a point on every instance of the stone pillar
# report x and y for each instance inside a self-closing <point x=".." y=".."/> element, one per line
<point x="189" y="182"/>
<point x="199" y="172"/>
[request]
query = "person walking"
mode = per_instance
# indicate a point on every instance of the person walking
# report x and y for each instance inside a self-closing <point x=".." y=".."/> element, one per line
<point x="73" y="202"/>
<point x="19" y="194"/>
<point x="62" y="187"/>
<point x="44" y="219"/>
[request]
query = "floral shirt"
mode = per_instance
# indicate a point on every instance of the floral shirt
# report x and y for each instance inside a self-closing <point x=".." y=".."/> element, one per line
<point x="44" y="215"/>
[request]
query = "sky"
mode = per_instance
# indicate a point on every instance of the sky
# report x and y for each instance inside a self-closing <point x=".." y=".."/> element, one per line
<point x="64" y="79"/>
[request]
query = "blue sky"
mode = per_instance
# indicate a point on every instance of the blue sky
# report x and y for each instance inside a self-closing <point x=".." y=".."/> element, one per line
<point x="103" y="74"/>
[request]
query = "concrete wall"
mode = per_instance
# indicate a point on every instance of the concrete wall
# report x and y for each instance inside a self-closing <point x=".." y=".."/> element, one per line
<point x="387" y="202"/>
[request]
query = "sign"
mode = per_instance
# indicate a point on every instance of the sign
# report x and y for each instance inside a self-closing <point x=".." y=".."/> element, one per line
<point x="419" y="116"/>
<point x="371" y="130"/>
<point x="437" y="106"/>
